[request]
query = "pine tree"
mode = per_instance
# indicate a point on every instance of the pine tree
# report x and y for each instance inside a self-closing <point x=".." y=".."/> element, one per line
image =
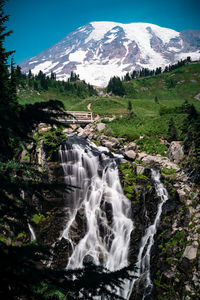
<point x="127" y="77"/>
<point x="130" y="109"/>
<point x="156" y="100"/>
<point x="172" y="131"/>
<point x="13" y="83"/>
<point x="116" y="87"/>
<point x="30" y="75"/>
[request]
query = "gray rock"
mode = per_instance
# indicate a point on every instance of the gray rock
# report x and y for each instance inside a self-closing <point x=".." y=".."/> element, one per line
<point x="140" y="170"/>
<point x="82" y="133"/>
<point x="190" y="252"/>
<point x="131" y="146"/>
<point x="80" y="129"/>
<point x="181" y="194"/>
<point x="141" y="155"/>
<point x="130" y="154"/>
<point x="100" y="127"/>
<point x="108" y="144"/>
<point x="197" y="97"/>
<point x="175" y="152"/>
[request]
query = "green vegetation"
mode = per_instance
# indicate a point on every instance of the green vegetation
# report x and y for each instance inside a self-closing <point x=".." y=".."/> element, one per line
<point x="166" y="172"/>
<point x="51" y="138"/>
<point x="129" y="181"/>
<point x="38" y="218"/>
<point x="115" y="86"/>
<point x="151" y="145"/>
<point x="181" y="83"/>
<point x="172" y="131"/>
<point x="74" y="87"/>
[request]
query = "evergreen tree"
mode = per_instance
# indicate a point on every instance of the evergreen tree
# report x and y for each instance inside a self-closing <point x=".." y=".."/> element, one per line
<point x="35" y="85"/>
<point x="158" y="71"/>
<point x="127" y="77"/>
<point x="73" y="77"/>
<point x="134" y="74"/>
<point x="156" y="100"/>
<point x="30" y="75"/>
<point x="13" y="83"/>
<point x="166" y="69"/>
<point x="172" y="131"/>
<point x="185" y="107"/>
<point x="53" y="76"/>
<point x="116" y="87"/>
<point x="130" y="109"/>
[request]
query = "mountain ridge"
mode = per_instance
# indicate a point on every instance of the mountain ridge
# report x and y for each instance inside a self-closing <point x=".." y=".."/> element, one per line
<point x="100" y="50"/>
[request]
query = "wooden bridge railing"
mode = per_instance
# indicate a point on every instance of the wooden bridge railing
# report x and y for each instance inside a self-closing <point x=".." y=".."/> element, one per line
<point x="79" y="117"/>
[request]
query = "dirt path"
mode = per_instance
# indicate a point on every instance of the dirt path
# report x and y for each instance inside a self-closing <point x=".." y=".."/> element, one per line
<point x="89" y="106"/>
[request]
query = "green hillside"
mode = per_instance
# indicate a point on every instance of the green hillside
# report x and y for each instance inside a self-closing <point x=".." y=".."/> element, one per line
<point x="182" y="83"/>
<point x="171" y="89"/>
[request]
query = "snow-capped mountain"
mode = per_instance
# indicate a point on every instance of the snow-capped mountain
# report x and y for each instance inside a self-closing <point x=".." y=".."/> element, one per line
<point x="100" y="50"/>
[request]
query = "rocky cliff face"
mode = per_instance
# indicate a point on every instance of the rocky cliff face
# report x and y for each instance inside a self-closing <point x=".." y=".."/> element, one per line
<point x="175" y="265"/>
<point x="100" y="50"/>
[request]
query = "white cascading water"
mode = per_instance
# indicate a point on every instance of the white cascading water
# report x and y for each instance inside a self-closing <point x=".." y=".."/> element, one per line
<point x="107" y="238"/>
<point x="144" y="256"/>
<point x="96" y="176"/>
<point x="33" y="236"/>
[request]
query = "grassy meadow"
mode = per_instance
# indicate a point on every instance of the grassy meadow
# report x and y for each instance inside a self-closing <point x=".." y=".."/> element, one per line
<point x="149" y="118"/>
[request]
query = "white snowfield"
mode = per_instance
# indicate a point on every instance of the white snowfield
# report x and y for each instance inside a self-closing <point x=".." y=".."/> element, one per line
<point x="100" y="50"/>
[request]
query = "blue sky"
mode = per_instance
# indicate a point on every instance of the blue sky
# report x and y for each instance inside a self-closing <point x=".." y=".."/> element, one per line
<point x="38" y="24"/>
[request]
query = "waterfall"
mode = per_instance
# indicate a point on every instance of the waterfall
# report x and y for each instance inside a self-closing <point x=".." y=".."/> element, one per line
<point x="99" y="207"/>
<point x="143" y="259"/>
<point x="100" y="198"/>
<point x="33" y="236"/>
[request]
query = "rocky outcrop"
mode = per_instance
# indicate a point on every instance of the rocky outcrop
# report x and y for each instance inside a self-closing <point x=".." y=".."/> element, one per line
<point x="101" y="127"/>
<point x="197" y="97"/>
<point x="175" y="152"/>
<point x="175" y="258"/>
<point x="189" y="255"/>
<point x="130" y="154"/>
<point x="175" y="264"/>
<point x="157" y="161"/>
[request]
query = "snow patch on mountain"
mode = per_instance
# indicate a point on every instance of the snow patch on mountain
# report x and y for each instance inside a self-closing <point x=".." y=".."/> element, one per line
<point x="99" y="30"/>
<point x="100" y="50"/>
<point x="193" y="55"/>
<point x="78" y="56"/>
<point x="45" y="67"/>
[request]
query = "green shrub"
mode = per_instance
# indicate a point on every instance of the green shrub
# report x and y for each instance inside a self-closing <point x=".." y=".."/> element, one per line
<point x="38" y="218"/>
<point x="51" y="139"/>
<point x="151" y="145"/>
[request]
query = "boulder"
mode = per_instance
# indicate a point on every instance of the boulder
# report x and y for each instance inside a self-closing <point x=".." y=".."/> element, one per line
<point x="130" y="154"/>
<point x="141" y="155"/>
<point x="197" y="97"/>
<point x="131" y="146"/>
<point x="100" y="127"/>
<point x="175" y="152"/>
<point x="189" y="255"/>
<point x="82" y="133"/>
<point x="108" y="144"/>
<point x="80" y="130"/>
<point x="181" y="194"/>
<point x="157" y="160"/>
<point x="191" y="251"/>
<point x="140" y="169"/>
<point x="68" y="130"/>
<point x="168" y="276"/>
